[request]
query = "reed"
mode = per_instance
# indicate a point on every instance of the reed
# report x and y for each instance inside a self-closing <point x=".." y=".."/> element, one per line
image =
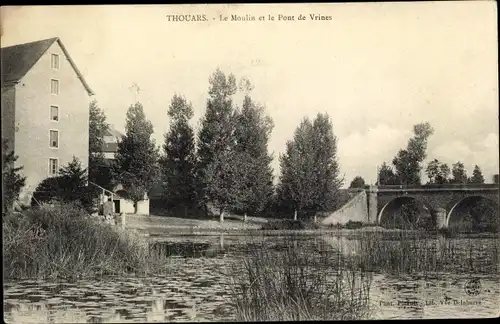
<point x="327" y="276"/>
<point x="64" y="242"/>
<point x="292" y="283"/>
<point x="406" y="252"/>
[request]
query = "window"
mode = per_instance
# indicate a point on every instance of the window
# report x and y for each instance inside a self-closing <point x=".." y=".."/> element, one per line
<point x="54" y="86"/>
<point x="55" y="61"/>
<point x="53" y="167"/>
<point x="54" y="138"/>
<point x="54" y="113"/>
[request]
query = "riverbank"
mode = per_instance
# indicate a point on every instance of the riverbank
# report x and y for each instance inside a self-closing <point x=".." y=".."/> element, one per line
<point x="159" y="227"/>
<point x="63" y="242"/>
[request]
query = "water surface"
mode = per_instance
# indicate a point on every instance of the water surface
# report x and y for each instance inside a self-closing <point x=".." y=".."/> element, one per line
<point x="198" y="289"/>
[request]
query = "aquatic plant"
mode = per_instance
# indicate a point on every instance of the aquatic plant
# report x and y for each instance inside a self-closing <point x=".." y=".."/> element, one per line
<point x="327" y="276"/>
<point x="407" y="252"/>
<point x="293" y="283"/>
<point x="64" y="242"/>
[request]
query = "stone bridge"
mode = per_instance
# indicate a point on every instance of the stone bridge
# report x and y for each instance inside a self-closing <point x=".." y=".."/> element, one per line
<point x="442" y="201"/>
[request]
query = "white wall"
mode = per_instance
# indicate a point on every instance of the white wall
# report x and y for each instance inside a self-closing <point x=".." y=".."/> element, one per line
<point x="33" y="101"/>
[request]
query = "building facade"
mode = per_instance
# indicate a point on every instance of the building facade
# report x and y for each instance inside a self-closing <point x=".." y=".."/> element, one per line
<point x="45" y="109"/>
<point x="120" y="201"/>
<point x="111" y="139"/>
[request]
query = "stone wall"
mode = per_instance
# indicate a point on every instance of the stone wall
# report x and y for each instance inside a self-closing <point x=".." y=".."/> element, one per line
<point x="355" y="210"/>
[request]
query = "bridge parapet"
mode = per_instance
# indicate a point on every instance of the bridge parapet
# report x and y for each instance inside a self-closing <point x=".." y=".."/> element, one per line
<point x="475" y="186"/>
<point x="436" y="199"/>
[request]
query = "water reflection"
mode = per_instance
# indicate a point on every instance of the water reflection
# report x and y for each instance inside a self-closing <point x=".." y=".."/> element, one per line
<point x="197" y="289"/>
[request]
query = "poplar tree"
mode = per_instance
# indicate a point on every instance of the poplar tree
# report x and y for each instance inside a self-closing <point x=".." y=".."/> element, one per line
<point x="99" y="169"/>
<point x="179" y="160"/>
<point x="216" y="139"/>
<point x="252" y="131"/>
<point x="137" y="156"/>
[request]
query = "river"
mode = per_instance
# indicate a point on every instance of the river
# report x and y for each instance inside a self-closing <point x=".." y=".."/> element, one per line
<point x="197" y="289"/>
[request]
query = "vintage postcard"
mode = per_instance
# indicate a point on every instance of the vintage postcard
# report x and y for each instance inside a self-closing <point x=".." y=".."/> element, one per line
<point x="250" y="162"/>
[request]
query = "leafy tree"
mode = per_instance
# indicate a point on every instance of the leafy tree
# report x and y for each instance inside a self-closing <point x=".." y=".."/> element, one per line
<point x="309" y="178"/>
<point x="137" y="156"/>
<point x="252" y="131"/>
<point x="97" y="128"/>
<point x="437" y="172"/>
<point x="477" y="176"/>
<point x="226" y="182"/>
<point x="99" y="169"/>
<point x="484" y="216"/>
<point x="357" y="182"/>
<point x="295" y="190"/>
<point x="69" y="186"/>
<point x="459" y="174"/>
<point x="444" y="174"/>
<point x="327" y="167"/>
<point x="179" y="161"/>
<point x="215" y="137"/>
<point x="408" y="162"/>
<point x="408" y="165"/>
<point x="12" y="181"/>
<point x="386" y="175"/>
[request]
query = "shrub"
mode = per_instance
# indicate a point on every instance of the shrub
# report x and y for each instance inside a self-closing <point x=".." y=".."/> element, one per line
<point x="69" y="187"/>
<point x="351" y="225"/>
<point x="289" y="224"/>
<point x="12" y="181"/>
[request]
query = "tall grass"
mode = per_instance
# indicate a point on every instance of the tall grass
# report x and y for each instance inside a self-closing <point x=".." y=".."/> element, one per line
<point x="295" y="284"/>
<point x="403" y="252"/>
<point x="328" y="276"/>
<point x="64" y="242"/>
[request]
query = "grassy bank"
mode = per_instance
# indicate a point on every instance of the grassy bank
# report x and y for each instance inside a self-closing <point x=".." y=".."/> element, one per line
<point x="165" y="225"/>
<point x="64" y="242"/>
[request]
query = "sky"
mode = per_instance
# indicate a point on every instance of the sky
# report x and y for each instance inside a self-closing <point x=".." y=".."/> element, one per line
<point x="375" y="68"/>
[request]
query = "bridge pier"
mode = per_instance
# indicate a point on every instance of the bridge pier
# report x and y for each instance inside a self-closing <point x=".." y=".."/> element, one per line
<point x="439" y="214"/>
<point x="372" y="204"/>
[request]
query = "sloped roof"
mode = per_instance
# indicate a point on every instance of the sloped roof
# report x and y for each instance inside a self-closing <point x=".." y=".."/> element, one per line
<point x="17" y="60"/>
<point x="112" y="131"/>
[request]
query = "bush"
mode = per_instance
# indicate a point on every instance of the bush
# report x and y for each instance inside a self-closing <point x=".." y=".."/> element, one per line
<point x="69" y="187"/>
<point x="64" y="242"/>
<point x="289" y="224"/>
<point x="12" y="180"/>
<point x="351" y="225"/>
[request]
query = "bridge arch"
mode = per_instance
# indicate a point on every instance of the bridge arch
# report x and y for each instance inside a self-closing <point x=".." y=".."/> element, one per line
<point x="399" y="202"/>
<point x="470" y="200"/>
